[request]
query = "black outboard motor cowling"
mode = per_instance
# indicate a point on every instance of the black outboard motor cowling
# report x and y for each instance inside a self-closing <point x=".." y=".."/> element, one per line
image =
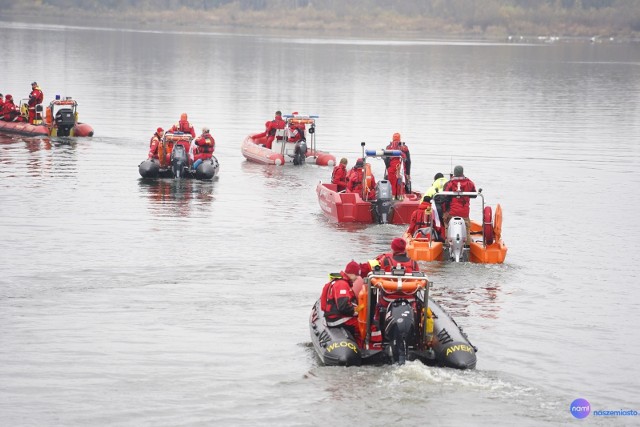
<point x="300" y="152"/>
<point x="400" y="329"/>
<point x="382" y="206"/>
<point x="65" y="121"/>
<point x="179" y="161"/>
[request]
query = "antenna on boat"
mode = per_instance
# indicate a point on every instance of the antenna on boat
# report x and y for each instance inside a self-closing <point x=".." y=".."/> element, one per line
<point x="362" y="144"/>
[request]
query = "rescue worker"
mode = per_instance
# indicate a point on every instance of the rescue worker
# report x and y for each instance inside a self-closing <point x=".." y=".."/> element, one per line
<point x="155" y="142"/>
<point x="10" y="111"/>
<point x="421" y="219"/>
<point x="339" y="302"/>
<point x="294" y="134"/>
<point x="35" y="98"/>
<point x="271" y="128"/>
<point x="183" y="126"/>
<point x="339" y="175"/>
<point x="386" y="262"/>
<point x="458" y="205"/>
<point x="394" y="164"/>
<point x="358" y="183"/>
<point x="205" y="145"/>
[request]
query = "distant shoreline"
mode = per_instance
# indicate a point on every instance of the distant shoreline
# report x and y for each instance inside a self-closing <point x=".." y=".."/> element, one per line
<point x="262" y="23"/>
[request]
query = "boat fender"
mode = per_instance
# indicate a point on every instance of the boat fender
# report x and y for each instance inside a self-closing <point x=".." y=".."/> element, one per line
<point x="497" y="223"/>
<point x="487" y="226"/>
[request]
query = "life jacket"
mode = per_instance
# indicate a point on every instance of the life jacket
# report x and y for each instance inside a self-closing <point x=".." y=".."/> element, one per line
<point x="206" y="143"/>
<point x="388" y="262"/>
<point x="341" y="168"/>
<point x="329" y="305"/>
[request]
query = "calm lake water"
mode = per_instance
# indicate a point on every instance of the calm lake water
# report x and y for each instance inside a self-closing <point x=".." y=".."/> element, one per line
<point x="125" y="302"/>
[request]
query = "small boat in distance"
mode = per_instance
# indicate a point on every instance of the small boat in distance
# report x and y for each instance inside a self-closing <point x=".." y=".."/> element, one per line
<point x="283" y="150"/>
<point x="61" y="119"/>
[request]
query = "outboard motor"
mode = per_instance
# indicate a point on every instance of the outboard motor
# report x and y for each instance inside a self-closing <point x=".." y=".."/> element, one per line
<point x="300" y="152"/>
<point x="149" y="169"/>
<point x="400" y="329"/>
<point x="65" y="121"/>
<point x="456" y="238"/>
<point x="179" y="161"/>
<point x="383" y="203"/>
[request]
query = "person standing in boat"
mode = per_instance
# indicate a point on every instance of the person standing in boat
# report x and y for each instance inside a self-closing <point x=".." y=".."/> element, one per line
<point x="394" y="165"/>
<point x="155" y="142"/>
<point x="339" y="302"/>
<point x="458" y="205"/>
<point x="271" y="129"/>
<point x="183" y="126"/>
<point x="35" y="98"/>
<point x="339" y="175"/>
<point x="358" y="183"/>
<point x="205" y="145"/>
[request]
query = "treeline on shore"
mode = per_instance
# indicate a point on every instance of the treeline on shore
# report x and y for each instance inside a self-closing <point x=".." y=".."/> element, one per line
<point x="564" y="18"/>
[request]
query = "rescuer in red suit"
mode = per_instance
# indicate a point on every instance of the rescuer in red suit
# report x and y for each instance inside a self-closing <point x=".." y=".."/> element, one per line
<point x="355" y="181"/>
<point x="9" y="111"/>
<point x="394" y="174"/>
<point x="420" y="218"/>
<point x="271" y="127"/>
<point x="205" y="145"/>
<point x="339" y="302"/>
<point x="458" y="206"/>
<point x="35" y="98"/>
<point x="155" y="142"/>
<point x="339" y="175"/>
<point x="183" y="126"/>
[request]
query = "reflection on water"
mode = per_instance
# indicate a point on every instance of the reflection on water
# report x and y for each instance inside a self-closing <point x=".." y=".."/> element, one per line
<point x="177" y="197"/>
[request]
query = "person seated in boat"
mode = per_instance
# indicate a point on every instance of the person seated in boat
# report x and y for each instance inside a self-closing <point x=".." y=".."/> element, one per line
<point x="35" y="98"/>
<point x="183" y="126"/>
<point x="386" y="262"/>
<point x="339" y="302"/>
<point x="339" y="175"/>
<point x="358" y="183"/>
<point x="421" y="222"/>
<point x="10" y="111"/>
<point x="204" y="146"/>
<point x="459" y="205"/>
<point x="155" y="142"/>
<point x="271" y="130"/>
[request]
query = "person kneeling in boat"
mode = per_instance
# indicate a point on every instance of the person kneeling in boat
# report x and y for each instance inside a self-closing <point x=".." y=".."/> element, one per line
<point x="204" y="145"/>
<point x="421" y="222"/>
<point x="183" y="126"/>
<point x="357" y="183"/>
<point x="460" y="205"/>
<point x="154" y="143"/>
<point x="339" y="175"/>
<point x="339" y="302"/>
<point x="10" y="111"/>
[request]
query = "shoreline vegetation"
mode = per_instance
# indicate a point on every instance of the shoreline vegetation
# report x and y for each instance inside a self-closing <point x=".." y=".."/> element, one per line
<point x="548" y="20"/>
